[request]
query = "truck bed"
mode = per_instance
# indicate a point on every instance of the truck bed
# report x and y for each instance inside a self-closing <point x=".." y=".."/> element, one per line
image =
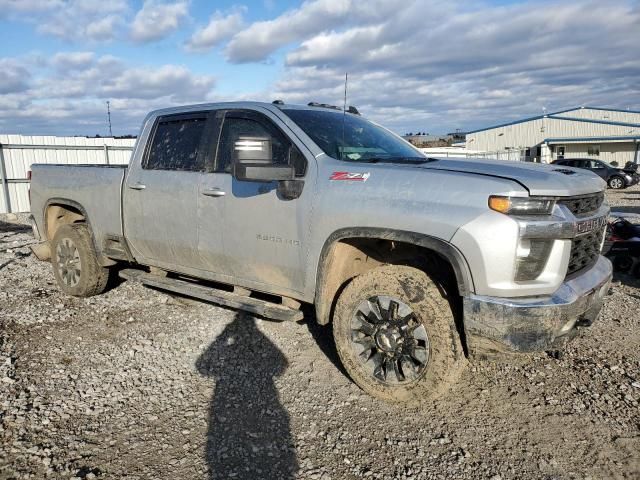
<point x="96" y="189"/>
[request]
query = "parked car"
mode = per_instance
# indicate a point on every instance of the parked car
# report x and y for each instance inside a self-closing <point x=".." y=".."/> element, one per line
<point x="614" y="176"/>
<point x="417" y="262"/>
<point x="622" y="242"/>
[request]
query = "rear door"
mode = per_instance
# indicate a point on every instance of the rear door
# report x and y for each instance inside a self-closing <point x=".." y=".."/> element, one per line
<point x="265" y="235"/>
<point x="162" y="192"/>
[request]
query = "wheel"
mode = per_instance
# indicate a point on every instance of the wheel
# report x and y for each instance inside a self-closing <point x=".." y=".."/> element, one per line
<point x="623" y="263"/>
<point x="395" y="335"/>
<point x="75" y="263"/>
<point x="616" y="182"/>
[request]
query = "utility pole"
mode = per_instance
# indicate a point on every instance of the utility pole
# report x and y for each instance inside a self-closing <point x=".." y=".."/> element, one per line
<point x="109" y="118"/>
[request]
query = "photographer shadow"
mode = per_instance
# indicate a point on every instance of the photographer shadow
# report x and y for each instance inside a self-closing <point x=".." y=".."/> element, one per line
<point x="249" y="433"/>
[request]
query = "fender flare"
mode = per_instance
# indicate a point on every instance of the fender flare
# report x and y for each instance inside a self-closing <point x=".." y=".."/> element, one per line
<point x="464" y="279"/>
<point x="71" y="203"/>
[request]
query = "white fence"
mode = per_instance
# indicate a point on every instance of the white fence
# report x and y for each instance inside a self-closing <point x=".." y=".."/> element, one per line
<point x="19" y="152"/>
<point x="455" y="152"/>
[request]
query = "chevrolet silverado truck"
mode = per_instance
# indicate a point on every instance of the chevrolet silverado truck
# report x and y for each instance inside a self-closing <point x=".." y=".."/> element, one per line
<point x="418" y="263"/>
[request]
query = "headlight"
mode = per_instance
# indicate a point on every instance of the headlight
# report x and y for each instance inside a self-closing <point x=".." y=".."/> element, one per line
<point x="532" y="256"/>
<point x="521" y="205"/>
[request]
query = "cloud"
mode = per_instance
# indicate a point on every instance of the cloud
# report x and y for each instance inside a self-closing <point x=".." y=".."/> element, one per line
<point x="8" y="7"/>
<point x="174" y="81"/>
<point x="14" y="77"/>
<point x="262" y="38"/>
<point x="82" y="20"/>
<point x="66" y="94"/>
<point x="220" y="28"/>
<point x="438" y="66"/>
<point x="104" y="28"/>
<point x="72" y="60"/>
<point x="431" y="65"/>
<point x="156" y="20"/>
<point x="77" y="20"/>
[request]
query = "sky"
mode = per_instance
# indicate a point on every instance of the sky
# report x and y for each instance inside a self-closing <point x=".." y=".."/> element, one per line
<point x="414" y="65"/>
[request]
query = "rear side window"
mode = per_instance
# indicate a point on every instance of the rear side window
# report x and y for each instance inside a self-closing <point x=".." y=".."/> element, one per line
<point x="177" y="143"/>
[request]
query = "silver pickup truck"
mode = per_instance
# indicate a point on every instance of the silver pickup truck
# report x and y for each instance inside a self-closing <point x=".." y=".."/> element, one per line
<point x="418" y="263"/>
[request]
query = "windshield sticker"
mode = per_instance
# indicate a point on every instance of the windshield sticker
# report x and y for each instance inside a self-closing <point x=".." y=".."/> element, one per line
<point x="353" y="176"/>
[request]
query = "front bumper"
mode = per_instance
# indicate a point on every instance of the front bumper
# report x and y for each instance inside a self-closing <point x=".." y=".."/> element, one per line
<point x="498" y="325"/>
<point x="632" y="180"/>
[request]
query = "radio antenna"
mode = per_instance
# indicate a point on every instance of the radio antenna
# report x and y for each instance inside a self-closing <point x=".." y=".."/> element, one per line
<point x="344" y="112"/>
<point x="109" y="118"/>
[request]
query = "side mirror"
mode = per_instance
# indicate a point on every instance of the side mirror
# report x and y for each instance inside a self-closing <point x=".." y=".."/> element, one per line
<point x="614" y="163"/>
<point x="259" y="172"/>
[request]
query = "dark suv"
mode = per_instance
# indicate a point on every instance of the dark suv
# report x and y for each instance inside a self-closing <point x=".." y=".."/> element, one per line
<point x="614" y="176"/>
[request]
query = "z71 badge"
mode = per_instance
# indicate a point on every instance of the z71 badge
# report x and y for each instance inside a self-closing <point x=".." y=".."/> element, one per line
<point x="353" y="176"/>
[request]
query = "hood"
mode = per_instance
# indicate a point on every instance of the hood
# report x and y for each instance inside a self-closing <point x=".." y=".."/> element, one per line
<point x="537" y="178"/>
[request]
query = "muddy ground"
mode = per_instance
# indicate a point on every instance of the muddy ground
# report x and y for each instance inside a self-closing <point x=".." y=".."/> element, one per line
<point x="137" y="384"/>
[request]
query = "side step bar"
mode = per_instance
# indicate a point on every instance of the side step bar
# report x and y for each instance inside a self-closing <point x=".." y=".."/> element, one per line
<point x="256" y="306"/>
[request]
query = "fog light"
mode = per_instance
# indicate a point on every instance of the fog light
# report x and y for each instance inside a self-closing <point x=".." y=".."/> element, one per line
<point x="532" y="256"/>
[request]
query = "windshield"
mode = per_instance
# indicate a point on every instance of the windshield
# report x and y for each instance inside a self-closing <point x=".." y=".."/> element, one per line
<point x="352" y="138"/>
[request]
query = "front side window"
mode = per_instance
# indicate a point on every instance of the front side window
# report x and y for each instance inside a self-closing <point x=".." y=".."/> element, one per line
<point x="255" y="141"/>
<point x="176" y="144"/>
<point x="592" y="164"/>
<point x="352" y="138"/>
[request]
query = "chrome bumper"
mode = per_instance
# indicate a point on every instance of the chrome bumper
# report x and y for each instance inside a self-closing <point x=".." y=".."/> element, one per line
<point x="497" y="325"/>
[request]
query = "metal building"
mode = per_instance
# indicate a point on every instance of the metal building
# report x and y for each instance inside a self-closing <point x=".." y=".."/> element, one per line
<point x="605" y="133"/>
<point x="18" y="152"/>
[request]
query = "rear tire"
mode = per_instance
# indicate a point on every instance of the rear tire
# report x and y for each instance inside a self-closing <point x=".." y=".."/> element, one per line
<point x="616" y="182"/>
<point x="75" y="263"/>
<point x="395" y="335"/>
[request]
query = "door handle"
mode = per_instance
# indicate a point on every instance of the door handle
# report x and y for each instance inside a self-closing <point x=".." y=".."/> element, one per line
<point x="138" y="186"/>
<point x="213" y="192"/>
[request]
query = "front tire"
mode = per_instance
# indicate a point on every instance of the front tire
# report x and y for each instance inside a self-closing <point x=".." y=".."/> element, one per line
<point x="75" y="263"/>
<point x="395" y="335"/>
<point x="616" y="182"/>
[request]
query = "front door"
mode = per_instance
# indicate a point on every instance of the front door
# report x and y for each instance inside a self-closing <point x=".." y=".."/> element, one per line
<point x="596" y="167"/>
<point x="161" y="194"/>
<point x="265" y="235"/>
<point x="561" y="149"/>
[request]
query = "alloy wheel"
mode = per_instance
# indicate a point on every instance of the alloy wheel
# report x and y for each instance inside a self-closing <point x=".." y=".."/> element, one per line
<point x="389" y="340"/>
<point x="69" y="264"/>
<point x="616" y="183"/>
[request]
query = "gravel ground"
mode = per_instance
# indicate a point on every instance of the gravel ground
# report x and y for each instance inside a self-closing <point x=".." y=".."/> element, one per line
<point x="137" y="384"/>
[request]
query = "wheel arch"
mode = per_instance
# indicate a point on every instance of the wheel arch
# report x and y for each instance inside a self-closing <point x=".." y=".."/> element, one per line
<point x="61" y="211"/>
<point x="342" y="259"/>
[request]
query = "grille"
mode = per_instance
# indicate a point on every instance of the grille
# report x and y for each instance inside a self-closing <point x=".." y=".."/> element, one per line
<point x="584" y="205"/>
<point x="585" y="250"/>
